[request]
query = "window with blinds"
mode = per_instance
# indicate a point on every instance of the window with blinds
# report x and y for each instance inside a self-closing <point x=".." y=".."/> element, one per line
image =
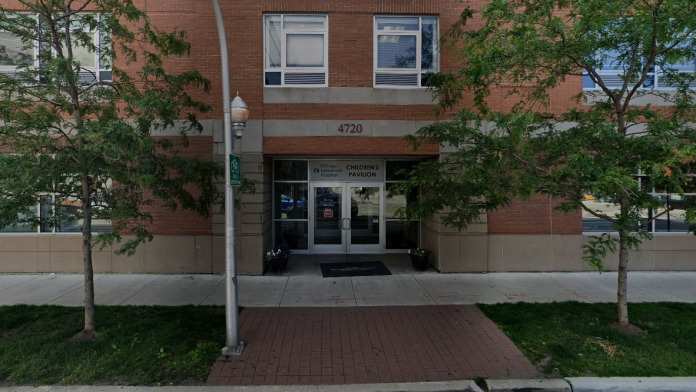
<point x="405" y="50"/>
<point x="296" y="50"/>
<point x="664" y="74"/>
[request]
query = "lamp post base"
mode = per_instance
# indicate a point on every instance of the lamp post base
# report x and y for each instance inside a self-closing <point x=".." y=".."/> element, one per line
<point x="228" y="352"/>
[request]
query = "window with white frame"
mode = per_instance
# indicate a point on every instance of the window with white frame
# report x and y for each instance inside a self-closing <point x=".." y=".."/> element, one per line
<point x="296" y="50"/>
<point x="94" y="65"/>
<point x="406" y="50"/>
<point x="663" y="75"/>
<point x="14" y="52"/>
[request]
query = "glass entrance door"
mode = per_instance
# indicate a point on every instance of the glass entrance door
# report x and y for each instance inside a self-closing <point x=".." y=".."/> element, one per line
<point x="365" y="218"/>
<point x="329" y="224"/>
<point x="347" y="218"/>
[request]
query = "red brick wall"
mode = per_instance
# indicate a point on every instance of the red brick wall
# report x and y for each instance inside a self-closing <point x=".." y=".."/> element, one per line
<point x="184" y="222"/>
<point x="350" y="50"/>
<point x="350" y="65"/>
<point x="534" y="216"/>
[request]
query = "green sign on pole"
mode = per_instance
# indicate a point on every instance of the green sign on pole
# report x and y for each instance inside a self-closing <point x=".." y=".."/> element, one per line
<point x="235" y="170"/>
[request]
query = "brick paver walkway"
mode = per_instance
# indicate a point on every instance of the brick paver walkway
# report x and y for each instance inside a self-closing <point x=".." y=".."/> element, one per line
<point x="370" y="345"/>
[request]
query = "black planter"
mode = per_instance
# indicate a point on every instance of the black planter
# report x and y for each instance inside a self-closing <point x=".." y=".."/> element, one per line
<point x="420" y="262"/>
<point x="277" y="263"/>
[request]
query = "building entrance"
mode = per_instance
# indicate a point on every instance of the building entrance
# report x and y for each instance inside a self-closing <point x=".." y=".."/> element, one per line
<point x="347" y="218"/>
<point x="345" y="205"/>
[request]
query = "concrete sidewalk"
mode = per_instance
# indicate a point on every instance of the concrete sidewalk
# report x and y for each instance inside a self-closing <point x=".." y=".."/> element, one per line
<point x="307" y="290"/>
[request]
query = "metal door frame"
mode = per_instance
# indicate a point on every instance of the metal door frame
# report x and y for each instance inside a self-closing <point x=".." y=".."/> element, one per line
<point x="363" y="248"/>
<point x="343" y="247"/>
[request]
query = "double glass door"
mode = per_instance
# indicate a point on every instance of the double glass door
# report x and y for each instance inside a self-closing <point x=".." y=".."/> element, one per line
<point x="347" y="218"/>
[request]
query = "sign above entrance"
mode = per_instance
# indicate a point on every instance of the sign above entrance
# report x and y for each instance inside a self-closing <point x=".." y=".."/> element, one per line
<point x="346" y="170"/>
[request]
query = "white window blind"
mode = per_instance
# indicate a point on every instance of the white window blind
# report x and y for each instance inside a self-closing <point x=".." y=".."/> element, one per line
<point x="406" y="50"/>
<point x="296" y="50"/>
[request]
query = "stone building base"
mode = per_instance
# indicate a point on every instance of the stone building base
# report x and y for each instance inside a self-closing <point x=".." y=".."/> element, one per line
<point x="452" y="252"/>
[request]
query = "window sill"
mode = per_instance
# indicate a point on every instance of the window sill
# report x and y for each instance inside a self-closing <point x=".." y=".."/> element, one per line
<point x="349" y="95"/>
<point x="657" y="97"/>
<point x="301" y="86"/>
<point x="655" y="234"/>
<point x="62" y="234"/>
<point x="397" y="87"/>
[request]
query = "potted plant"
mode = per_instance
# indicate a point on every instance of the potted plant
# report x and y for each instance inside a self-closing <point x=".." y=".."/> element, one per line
<point x="277" y="259"/>
<point x="419" y="258"/>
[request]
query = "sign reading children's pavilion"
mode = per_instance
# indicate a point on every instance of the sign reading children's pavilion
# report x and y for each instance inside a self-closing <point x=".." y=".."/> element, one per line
<point x="346" y="170"/>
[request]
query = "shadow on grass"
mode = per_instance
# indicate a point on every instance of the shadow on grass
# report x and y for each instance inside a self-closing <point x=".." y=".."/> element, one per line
<point x="135" y="345"/>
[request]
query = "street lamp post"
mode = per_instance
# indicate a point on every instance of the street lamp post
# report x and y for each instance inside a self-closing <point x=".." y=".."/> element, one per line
<point x="236" y="114"/>
<point x="239" y="113"/>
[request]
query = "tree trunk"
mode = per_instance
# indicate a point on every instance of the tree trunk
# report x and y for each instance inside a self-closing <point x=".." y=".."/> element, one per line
<point x="89" y="327"/>
<point x="622" y="287"/>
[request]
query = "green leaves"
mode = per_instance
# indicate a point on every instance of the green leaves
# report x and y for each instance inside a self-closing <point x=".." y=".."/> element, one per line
<point x="532" y="46"/>
<point x="65" y="130"/>
<point x="597" y="248"/>
<point x="609" y="155"/>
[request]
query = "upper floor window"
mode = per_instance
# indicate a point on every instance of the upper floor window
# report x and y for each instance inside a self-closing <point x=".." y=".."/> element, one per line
<point x="406" y="50"/>
<point x="663" y="75"/>
<point x="296" y="50"/>
<point x="14" y="53"/>
<point x="94" y="64"/>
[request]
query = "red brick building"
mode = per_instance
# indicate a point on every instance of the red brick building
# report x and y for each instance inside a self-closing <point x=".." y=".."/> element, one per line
<point x="333" y="86"/>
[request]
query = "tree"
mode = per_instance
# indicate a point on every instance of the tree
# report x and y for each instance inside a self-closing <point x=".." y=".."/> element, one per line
<point x="616" y="147"/>
<point x="78" y="129"/>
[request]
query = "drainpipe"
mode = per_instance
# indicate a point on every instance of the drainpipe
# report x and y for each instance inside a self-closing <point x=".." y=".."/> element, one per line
<point x="233" y="346"/>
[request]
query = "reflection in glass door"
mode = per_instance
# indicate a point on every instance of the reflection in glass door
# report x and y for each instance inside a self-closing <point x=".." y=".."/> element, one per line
<point x="347" y="218"/>
<point x="328" y="219"/>
<point x="365" y="218"/>
<point x="364" y="215"/>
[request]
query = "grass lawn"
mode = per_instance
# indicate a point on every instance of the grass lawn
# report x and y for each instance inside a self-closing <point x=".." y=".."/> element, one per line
<point x="574" y="339"/>
<point x="135" y="345"/>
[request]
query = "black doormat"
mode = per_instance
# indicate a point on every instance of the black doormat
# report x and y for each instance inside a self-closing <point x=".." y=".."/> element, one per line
<point x="358" y="268"/>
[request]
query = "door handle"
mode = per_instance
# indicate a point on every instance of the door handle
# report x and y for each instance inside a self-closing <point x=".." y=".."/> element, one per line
<point x="345" y="223"/>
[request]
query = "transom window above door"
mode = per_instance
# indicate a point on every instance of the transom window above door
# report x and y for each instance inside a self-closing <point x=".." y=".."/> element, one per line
<point x="296" y="50"/>
<point x="406" y="50"/>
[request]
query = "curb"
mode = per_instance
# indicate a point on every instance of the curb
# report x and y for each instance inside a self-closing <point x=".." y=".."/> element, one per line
<point x="526" y="385"/>
<point x="631" y="384"/>
<point x="573" y="384"/>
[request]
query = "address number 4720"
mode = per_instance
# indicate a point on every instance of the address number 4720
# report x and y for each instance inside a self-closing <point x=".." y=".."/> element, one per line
<point x="350" y="128"/>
